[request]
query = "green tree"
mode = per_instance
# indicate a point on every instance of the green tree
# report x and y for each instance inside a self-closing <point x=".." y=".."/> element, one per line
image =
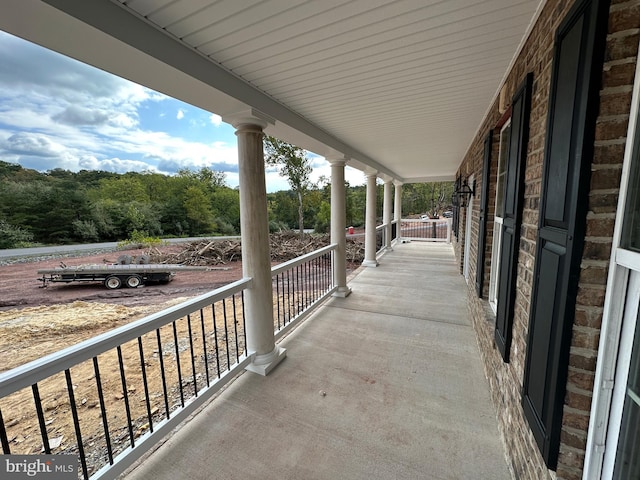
<point x="198" y="210"/>
<point x="292" y="164"/>
<point x="12" y="236"/>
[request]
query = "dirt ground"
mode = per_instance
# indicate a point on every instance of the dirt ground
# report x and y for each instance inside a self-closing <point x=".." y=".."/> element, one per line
<point x="20" y="287"/>
<point x="36" y="321"/>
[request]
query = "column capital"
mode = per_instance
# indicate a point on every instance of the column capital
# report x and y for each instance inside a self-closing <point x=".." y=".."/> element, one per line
<point x="370" y="172"/>
<point x="386" y="178"/>
<point x="250" y="116"/>
<point x="398" y="183"/>
<point x="337" y="161"/>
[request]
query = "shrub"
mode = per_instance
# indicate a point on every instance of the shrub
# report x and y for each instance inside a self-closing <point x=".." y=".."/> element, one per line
<point x="14" y="237"/>
<point x="140" y="239"/>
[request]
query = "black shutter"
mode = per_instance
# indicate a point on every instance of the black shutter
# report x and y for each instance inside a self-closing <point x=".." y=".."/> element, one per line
<point x="484" y="203"/>
<point x="512" y="218"/>
<point x="577" y="67"/>
<point x="456" y="208"/>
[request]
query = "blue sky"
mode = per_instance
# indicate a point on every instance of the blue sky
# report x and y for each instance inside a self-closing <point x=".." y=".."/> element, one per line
<point x="56" y="112"/>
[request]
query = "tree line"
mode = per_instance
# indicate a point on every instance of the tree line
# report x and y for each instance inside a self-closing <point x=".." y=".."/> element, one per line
<point x="63" y="207"/>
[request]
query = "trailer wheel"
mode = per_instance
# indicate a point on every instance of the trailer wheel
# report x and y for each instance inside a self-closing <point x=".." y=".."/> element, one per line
<point x="113" y="282"/>
<point x="133" y="281"/>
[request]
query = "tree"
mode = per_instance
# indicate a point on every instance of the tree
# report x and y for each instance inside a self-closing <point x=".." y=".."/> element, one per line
<point x="292" y="164"/>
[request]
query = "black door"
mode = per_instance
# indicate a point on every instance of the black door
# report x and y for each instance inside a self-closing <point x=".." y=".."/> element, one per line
<point x="512" y="217"/>
<point x="484" y="203"/>
<point x="563" y="206"/>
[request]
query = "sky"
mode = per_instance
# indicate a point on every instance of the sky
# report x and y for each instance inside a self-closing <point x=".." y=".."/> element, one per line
<point x="56" y="112"/>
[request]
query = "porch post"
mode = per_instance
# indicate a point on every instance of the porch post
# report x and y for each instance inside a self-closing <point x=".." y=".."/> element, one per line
<point x="370" y="222"/>
<point x="386" y="214"/>
<point x="256" y="260"/>
<point x="397" y="209"/>
<point x="338" y="225"/>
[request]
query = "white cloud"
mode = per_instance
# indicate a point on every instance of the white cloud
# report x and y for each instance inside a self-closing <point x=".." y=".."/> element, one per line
<point x="56" y="112"/>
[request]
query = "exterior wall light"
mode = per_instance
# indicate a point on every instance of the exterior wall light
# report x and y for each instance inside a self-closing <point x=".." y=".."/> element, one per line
<point x="465" y="192"/>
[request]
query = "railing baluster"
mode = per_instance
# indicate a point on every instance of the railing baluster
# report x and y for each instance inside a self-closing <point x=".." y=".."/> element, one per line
<point x="204" y="347"/>
<point x="125" y="395"/>
<point x="143" y="368"/>
<point x="4" y="439"/>
<point x="164" y="377"/>
<point x="235" y="326"/>
<point x="278" y="298"/>
<point x="215" y="338"/>
<point x="177" y="349"/>
<point x="226" y="332"/>
<point x="193" y="359"/>
<point x="76" y="423"/>
<point x="41" y="420"/>
<point x="288" y="296"/>
<point x="244" y="323"/>
<point x="103" y="410"/>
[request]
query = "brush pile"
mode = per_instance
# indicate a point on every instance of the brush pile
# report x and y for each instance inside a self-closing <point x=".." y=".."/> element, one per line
<point x="284" y="246"/>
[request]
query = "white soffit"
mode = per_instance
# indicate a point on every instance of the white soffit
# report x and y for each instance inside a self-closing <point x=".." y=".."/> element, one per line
<point x="400" y="85"/>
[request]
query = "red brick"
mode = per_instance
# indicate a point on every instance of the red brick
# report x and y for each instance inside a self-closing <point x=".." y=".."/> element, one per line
<point x="618" y="103"/>
<point x="609" y="154"/>
<point x="566" y="473"/>
<point x="587" y="338"/>
<point x="606" y="178"/>
<point x="596" y="250"/>
<point x="573" y="439"/>
<point x="588" y="318"/>
<point x="618" y="75"/>
<point x="578" y="401"/>
<point x="611" y="129"/>
<point x="579" y="421"/>
<point x="619" y="48"/>
<point x="581" y="379"/>
<point x="583" y="360"/>
<point x="624" y="19"/>
<point x="603" y="202"/>
<point x="600" y="227"/>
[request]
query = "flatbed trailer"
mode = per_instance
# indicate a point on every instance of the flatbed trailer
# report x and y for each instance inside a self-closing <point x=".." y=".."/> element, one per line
<point x="114" y="276"/>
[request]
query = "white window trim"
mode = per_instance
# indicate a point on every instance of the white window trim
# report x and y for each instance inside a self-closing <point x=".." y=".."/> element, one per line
<point x="496" y="244"/>
<point x="603" y="407"/>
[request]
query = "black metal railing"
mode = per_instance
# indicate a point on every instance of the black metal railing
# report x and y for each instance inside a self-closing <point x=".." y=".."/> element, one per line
<point x="300" y="284"/>
<point x="110" y="398"/>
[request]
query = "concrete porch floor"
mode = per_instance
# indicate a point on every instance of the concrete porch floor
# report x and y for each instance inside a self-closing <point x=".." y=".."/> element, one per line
<point x="405" y="398"/>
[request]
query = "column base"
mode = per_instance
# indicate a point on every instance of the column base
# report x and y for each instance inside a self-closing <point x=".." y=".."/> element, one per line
<point x="263" y="364"/>
<point x="342" y="292"/>
<point x="389" y="248"/>
<point x="370" y="263"/>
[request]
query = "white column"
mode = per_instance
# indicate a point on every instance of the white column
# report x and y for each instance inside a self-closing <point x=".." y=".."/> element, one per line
<point x="370" y="222"/>
<point x="386" y="213"/>
<point x="397" y="209"/>
<point x="256" y="260"/>
<point x="338" y="225"/>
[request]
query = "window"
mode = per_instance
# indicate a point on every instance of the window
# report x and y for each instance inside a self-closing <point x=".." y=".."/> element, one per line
<point x="499" y="210"/>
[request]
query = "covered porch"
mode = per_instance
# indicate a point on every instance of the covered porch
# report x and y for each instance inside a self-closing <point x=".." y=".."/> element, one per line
<point x="385" y="383"/>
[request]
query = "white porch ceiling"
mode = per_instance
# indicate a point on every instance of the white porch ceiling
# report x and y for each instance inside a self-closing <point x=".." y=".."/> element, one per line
<point x="397" y="85"/>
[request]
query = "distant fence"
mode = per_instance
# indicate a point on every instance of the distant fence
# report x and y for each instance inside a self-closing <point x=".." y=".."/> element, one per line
<point x="431" y="230"/>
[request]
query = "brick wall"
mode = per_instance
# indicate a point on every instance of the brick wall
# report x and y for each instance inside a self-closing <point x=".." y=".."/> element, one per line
<point x="505" y="380"/>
